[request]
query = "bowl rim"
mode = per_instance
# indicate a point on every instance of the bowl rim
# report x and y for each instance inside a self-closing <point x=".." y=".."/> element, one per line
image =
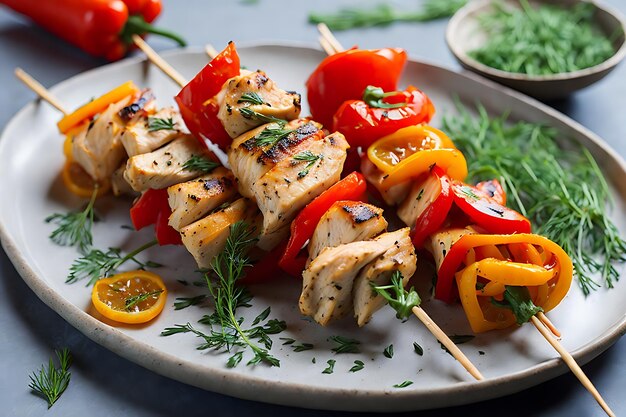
<point x="466" y="60"/>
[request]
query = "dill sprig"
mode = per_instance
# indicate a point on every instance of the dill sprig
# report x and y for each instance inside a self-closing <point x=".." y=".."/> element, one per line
<point x="383" y="14"/>
<point x="251" y="114"/>
<point x="98" y="264"/>
<point x="50" y="383"/>
<point x="270" y="136"/>
<point x="252" y="97"/>
<point x="403" y="301"/>
<point x="226" y="328"/>
<point x="561" y="190"/>
<point x="310" y="158"/>
<point x="156" y="123"/>
<point x="74" y="229"/>
<point x="542" y="41"/>
<point x="201" y="164"/>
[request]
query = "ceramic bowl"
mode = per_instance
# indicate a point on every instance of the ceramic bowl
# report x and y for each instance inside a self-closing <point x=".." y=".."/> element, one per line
<point x="464" y="34"/>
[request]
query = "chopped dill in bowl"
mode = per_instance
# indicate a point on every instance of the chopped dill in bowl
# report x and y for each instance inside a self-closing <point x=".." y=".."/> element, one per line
<point x="542" y="40"/>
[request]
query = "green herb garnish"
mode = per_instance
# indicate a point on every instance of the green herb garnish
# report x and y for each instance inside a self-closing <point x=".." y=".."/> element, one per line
<point x="404" y="300"/>
<point x="98" y="264"/>
<point x="270" y="136"/>
<point x="542" y="41"/>
<point x="132" y="301"/>
<point x="251" y="114"/>
<point x="310" y="158"/>
<point x="201" y="164"/>
<point x="184" y="302"/>
<point x="375" y="97"/>
<point x="388" y="352"/>
<point x="74" y="229"/>
<point x="518" y="300"/>
<point x="156" y="123"/>
<point x="345" y="345"/>
<point x="561" y="190"/>
<point x="418" y="349"/>
<point x="253" y="98"/>
<point x="50" y="383"/>
<point x="358" y="365"/>
<point x="403" y="384"/>
<point x="383" y="14"/>
<point x="331" y="366"/>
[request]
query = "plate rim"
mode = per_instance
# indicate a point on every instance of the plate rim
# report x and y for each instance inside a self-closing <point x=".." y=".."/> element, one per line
<point x="298" y="394"/>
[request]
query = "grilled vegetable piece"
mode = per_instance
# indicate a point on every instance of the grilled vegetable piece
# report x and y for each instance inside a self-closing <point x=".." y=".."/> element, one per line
<point x="328" y="280"/>
<point x="163" y="167"/>
<point x="206" y="237"/>
<point x="193" y="199"/>
<point x="98" y="148"/>
<point x="119" y="185"/>
<point x="400" y="257"/>
<point x="392" y="195"/>
<point x="256" y="94"/>
<point x="151" y="131"/>
<point x="345" y="222"/>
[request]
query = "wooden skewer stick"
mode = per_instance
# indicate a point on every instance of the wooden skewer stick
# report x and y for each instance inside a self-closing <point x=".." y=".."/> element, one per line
<point x="159" y="62"/>
<point x="546" y="322"/>
<point x="39" y="89"/>
<point x="330" y="38"/>
<point x="571" y="363"/>
<point x="326" y="46"/>
<point x="445" y="340"/>
<point x="210" y="51"/>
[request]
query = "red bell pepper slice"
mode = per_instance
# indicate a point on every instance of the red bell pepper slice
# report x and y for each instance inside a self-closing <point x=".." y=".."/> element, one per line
<point x="352" y="187"/>
<point x="195" y="100"/>
<point x="153" y="208"/>
<point x="266" y="269"/>
<point x="438" y="198"/>
<point x="487" y="212"/>
<point x="493" y="189"/>
<point x="345" y="75"/>
<point x="363" y="122"/>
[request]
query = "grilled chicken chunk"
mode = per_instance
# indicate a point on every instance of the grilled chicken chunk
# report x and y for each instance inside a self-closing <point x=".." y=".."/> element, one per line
<point x="328" y="280"/>
<point x="439" y="243"/>
<point x="249" y="94"/>
<point x="150" y="132"/>
<point x="139" y="106"/>
<point x="345" y="222"/>
<point x="193" y="199"/>
<point x="375" y="176"/>
<point x="206" y="237"/>
<point x="98" y="149"/>
<point x="400" y="257"/>
<point x="163" y="167"/>
<point x="119" y="185"/>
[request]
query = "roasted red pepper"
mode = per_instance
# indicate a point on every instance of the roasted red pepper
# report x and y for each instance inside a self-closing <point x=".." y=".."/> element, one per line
<point x="380" y="114"/>
<point x="102" y="28"/>
<point x="196" y="100"/>
<point x="345" y="75"/>
<point x="352" y="187"/>
<point x="265" y="269"/>
<point x="436" y="197"/>
<point x="153" y="208"/>
<point x="494" y="189"/>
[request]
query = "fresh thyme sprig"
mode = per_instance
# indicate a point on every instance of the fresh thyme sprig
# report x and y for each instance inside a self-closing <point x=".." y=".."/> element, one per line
<point x="383" y="14"/>
<point x="404" y="300"/>
<point x="226" y="328"/>
<point x="50" y="383"/>
<point x="156" y="123"/>
<point x="251" y="114"/>
<point x="74" y="229"/>
<point x="270" y="136"/>
<point x="561" y="190"/>
<point x="98" y="264"/>
<point x="132" y="301"/>
<point x="253" y="98"/>
<point x="201" y="164"/>
<point x="544" y="40"/>
<point x="310" y="158"/>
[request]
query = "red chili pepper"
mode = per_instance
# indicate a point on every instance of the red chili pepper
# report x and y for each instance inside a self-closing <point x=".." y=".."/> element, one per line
<point x="345" y="75"/>
<point x="196" y="100"/>
<point x="437" y="201"/>
<point x="102" y="28"/>
<point x="365" y="121"/>
<point x="352" y="187"/>
<point x="487" y="212"/>
<point x="153" y="208"/>
<point x="493" y="189"/>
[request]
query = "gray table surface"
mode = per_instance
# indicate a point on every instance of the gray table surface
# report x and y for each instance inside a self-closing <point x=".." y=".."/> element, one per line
<point x="104" y="384"/>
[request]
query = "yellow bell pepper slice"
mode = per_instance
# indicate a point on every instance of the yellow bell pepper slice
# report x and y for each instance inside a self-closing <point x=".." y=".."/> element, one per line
<point x="451" y="161"/>
<point x="96" y="106"/>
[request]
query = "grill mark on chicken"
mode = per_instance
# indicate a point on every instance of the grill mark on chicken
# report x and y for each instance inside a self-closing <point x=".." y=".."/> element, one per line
<point x="143" y="102"/>
<point x="360" y="213"/>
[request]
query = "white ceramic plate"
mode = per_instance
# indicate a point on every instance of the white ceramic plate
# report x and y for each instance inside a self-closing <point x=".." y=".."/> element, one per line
<point x="30" y="190"/>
